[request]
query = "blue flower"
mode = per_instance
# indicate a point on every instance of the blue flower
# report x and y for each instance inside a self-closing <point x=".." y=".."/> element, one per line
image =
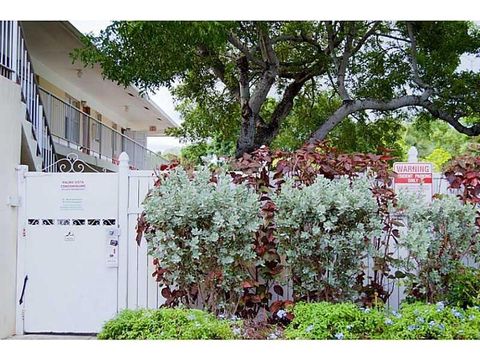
<point x="309" y="328"/>
<point x="440" y="306"/>
<point x="432" y="323"/>
<point x="349" y="327"/>
<point x="421" y="320"/>
<point x="388" y="321"/>
<point x="339" y="336"/>
<point x="441" y="327"/>
<point x="412" y="327"/>
<point x="471" y="317"/>
<point x="396" y="314"/>
<point x="457" y="314"/>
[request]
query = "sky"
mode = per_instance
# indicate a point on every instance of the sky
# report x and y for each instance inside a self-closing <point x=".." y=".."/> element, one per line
<point x="162" y="98"/>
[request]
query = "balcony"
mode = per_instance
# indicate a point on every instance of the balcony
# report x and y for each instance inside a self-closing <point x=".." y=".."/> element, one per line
<point x="76" y="130"/>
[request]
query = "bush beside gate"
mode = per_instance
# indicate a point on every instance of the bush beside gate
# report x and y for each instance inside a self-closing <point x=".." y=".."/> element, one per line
<point x="236" y="240"/>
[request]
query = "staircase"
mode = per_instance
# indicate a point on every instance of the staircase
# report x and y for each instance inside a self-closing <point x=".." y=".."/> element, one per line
<point x="15" y="64"/>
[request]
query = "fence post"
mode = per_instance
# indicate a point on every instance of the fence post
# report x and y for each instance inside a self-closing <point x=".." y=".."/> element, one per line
<point x="123" y="173"/>
<point x="413" y="154"/>
<point x="21" y="225"/>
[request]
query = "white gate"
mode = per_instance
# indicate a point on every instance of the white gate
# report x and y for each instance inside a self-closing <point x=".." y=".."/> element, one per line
<point x="78" y="262"/>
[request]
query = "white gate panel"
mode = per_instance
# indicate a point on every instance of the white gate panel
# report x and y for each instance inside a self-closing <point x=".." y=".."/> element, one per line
<point x="143" y="290"/>
<point x="69" y="260"/>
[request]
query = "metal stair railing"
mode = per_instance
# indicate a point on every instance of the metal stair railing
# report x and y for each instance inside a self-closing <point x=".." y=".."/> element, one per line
<point x="15" y="64"/>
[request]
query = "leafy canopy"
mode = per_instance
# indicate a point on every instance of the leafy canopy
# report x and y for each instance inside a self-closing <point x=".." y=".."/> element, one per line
<point x="241" y="80"/>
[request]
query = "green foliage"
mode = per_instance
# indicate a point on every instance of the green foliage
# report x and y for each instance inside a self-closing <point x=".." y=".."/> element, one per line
<point x="360" y="135"/>
<point x="199" y="59"/>
<point x="166" y="324"/>
<point x="352" y="135"/>
<point x="464" y="287"/>
<point x="322" y="321"/>
<point x="433" y="321"/>
<point x="150" y="54"/>
<point x="435" y="139"/>
<point x="439" y="236"/>
<point x="438" y="158"/>
<point x="203" y="235"/>
<point x="310" y="111"/>
<point x="322" y="230"/>
<point x="192" y="154"/>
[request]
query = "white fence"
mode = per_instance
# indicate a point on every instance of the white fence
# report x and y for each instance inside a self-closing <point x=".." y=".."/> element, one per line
<point x="143" y="291"/>
<point x="137" y="286"/>
<point x="48" y="235"/>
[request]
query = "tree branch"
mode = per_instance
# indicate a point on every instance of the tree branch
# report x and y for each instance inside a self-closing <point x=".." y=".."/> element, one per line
<point x="368" y="104"/>
<point x="219" y="70"/>
<point x="413" y="48"/>
<point x="269" y="74"/>
<point x="247" y="131"/>
<point x="232" y="39"/>
<point x="267" y="132"/>
<point x="365" y="37"/>
<point x="473" y="130"/>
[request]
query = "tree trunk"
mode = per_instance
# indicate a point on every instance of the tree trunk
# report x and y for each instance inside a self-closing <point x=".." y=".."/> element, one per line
<point x="247" y="132"/>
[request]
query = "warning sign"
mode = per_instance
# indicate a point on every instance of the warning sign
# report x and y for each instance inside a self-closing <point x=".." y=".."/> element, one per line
<point x="414" y="177"/>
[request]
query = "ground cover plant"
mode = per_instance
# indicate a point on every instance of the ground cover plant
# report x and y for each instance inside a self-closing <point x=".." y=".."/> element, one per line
<point x="417" y="321"/>
<point x="167" y="324"/>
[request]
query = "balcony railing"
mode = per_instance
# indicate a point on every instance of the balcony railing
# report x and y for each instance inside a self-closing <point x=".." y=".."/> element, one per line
<point x="77" y="130"/>
<point x="16" y="65"/>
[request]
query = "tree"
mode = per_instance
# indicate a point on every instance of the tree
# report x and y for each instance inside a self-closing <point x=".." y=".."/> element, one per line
<point x="437" y="142"/>
<point x="236" y="67"/>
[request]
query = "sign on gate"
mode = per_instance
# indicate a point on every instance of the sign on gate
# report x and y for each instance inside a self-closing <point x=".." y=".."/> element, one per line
<point x="414" y="177"/>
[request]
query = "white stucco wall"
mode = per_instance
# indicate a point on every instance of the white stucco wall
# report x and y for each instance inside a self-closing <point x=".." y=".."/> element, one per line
<point x="12" y="111"/>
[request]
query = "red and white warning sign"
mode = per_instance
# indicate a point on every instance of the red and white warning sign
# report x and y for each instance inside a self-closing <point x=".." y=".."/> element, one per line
<point x="414" y="177"/>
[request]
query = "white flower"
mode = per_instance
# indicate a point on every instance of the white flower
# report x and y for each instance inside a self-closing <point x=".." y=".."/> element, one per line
<point x="272" y="337"/>
<point x="281" y="314"/>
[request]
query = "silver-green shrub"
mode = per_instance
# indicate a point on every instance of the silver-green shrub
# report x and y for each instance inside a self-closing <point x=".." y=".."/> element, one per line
<point x="439" y="237"/>
<point x="204" y="234"/>
<point x="324" y="231"/>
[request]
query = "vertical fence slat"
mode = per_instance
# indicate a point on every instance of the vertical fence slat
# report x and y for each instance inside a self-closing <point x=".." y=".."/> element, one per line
<point x="143" y="259"/>
<point x="132" y="246"/>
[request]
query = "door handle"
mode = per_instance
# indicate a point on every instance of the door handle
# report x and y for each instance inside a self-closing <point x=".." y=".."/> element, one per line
<point x="20" y="302"/>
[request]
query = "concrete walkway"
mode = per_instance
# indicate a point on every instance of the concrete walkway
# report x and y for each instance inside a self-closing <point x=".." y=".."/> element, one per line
<point x="52" y="337"/>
